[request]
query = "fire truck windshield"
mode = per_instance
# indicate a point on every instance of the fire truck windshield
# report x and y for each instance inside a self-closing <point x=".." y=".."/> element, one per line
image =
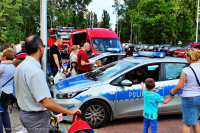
<point x="102" y="44"/>
<point x="65" y="35"/>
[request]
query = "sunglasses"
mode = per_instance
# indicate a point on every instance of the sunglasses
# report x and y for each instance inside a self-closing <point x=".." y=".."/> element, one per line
<point x="43" y="46"/>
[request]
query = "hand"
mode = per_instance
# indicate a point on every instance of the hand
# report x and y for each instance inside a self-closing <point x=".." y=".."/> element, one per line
<point x="63" y="69"/>
<point x="142" y="84"/>
<point x="59" y="70"/>
<point x="171" y="97"/>
<point x="73" y="111"/>
<point x="91" y="63"/>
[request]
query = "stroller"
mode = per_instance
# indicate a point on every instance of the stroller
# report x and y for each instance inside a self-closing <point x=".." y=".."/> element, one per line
<point x="78" y="125"/>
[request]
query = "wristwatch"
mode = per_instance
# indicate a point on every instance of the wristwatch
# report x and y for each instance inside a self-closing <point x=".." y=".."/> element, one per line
<point x="171" y="94"/>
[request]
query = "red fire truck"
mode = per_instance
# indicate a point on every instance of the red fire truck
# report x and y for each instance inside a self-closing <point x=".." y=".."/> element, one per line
<point x="100" y="39"/>
<point x="63" y="32"/>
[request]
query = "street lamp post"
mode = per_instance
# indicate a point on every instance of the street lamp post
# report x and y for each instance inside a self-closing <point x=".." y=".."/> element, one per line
<point x="43" y="33"/>
<point x="197" y="21"/>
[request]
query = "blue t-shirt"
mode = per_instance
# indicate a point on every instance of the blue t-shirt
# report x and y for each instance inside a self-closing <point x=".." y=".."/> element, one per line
<point x="151" y="100"/>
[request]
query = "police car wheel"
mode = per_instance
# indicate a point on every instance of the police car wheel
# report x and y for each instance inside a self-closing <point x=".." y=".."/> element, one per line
<point x="96" y="113"/>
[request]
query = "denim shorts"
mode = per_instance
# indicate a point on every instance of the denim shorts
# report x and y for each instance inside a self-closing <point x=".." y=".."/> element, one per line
<point x="190" y="110"/>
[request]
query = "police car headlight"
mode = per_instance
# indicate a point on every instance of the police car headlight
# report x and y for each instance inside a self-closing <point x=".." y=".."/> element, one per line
<point x="66" y="95"/>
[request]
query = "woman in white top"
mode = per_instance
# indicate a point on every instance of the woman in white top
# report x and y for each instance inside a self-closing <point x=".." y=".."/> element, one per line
<point x="73" y="70"/>
<point x="191" y="92"/>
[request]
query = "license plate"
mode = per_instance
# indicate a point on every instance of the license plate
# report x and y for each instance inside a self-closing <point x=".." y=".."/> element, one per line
<point x="154" y="50"/>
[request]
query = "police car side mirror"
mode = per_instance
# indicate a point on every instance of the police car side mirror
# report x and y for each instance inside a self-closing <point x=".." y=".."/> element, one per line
<point x="126" y="83"/>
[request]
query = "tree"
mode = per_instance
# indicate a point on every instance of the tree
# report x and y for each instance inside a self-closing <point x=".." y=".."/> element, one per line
<point x="105" y="22"/>
<point x="10" y="20"/>
<point x="156" y="21"/>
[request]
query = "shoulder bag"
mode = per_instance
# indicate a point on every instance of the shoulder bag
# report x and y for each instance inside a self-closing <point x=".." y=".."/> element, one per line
<point x="5" y="84"/>
<point x="195" y="76"/>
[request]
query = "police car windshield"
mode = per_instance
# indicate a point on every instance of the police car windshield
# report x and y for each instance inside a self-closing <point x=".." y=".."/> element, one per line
<point x="112" y="70"/>
<point x="102" y="44"/>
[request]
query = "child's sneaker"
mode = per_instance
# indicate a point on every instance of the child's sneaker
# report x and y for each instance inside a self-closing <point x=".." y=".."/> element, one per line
<point x="1" y="109"/>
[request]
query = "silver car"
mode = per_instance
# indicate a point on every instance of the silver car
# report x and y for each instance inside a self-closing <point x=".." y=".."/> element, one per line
<point x="110" y="93"/>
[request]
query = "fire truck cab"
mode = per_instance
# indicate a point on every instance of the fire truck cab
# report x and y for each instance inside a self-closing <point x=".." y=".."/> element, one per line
<point x="100" y="39"/>
<point x="63" y="32"/>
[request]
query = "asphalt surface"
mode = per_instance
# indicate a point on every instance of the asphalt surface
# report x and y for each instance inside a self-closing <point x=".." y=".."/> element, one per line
<point x="166" y="124"/>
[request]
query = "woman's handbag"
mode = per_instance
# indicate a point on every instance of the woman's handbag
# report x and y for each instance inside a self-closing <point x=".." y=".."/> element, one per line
<point x="195" y="76"/>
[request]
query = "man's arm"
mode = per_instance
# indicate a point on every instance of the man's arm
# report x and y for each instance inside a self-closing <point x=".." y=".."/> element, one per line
<point x="55" y="107"/>
<point x="55" y="56"/>
<point x="83" y="63"/>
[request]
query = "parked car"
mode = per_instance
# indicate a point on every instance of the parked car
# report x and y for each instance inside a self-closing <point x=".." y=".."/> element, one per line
<point x="150" y="48"/>
<point x="144" y="47"/>
<point x="126" y="46"/>
<point x="159" y="47"/>
<point x="169" y="50"/>
<point x="181" y="52"/>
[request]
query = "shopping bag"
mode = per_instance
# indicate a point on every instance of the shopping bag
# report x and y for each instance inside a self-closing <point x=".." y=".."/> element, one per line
<point x="59" y="77"/>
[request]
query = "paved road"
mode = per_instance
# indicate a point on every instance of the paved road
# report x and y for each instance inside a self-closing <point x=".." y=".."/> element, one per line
<point x="166" y="124"/>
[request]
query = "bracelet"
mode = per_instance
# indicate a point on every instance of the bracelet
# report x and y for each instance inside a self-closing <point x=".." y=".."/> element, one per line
<point x="171" y="94"/>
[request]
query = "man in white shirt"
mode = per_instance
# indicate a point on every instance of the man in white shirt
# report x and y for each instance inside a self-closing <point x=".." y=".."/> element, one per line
<point x="18" y="47"/>
<point x="32" y="92"/>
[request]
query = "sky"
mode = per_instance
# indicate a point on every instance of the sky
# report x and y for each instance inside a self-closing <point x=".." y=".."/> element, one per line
<point x="97" y="6"/>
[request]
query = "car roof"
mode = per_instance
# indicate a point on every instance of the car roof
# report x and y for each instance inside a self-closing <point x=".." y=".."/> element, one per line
<point x="144" y="60"/>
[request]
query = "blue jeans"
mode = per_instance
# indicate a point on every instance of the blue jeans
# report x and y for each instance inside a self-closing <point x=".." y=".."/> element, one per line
<point x="4" y="116"/>
<point x="153" y="124"/>
<point x="54" y="71"/>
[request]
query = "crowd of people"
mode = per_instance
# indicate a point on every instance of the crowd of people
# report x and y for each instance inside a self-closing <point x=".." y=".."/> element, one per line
<point x="23" y="80"/>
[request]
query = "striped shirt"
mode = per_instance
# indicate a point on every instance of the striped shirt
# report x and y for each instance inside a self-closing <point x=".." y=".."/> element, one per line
<point x="21" y="55"/>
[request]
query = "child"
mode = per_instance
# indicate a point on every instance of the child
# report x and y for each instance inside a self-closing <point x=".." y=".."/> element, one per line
<point x="98" y="62"/>
<point x="73" y="70"/>
<point x="151" y="100"/>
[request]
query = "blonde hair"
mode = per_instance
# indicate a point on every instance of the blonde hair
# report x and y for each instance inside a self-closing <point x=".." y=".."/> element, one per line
<point x="98" y="61"/>
<point x="74" y="47"/>
<point x="193" y="53"/>
<point x="9" y="53"/>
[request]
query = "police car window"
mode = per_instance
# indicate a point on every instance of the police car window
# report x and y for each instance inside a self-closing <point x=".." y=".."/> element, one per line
<point x="117" y="81"/>
<point x="173" y="70"/>
<point x="148" y="71"/>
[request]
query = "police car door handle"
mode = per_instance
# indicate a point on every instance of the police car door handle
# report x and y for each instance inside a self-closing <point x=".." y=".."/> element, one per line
<point x="158" y="88"/>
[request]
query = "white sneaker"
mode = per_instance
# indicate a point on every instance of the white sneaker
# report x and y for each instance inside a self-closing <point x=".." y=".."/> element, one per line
<point x="19" y="128"/>
<point x="23" y="129"/>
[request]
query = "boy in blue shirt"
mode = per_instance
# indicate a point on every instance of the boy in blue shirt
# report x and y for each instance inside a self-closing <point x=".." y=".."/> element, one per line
<point x="151" y="100"/>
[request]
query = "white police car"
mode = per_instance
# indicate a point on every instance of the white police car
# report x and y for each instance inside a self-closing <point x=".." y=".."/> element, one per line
<point x="110" y="92"/>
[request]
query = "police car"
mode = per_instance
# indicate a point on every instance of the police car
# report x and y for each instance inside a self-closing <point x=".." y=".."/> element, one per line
<point x="110" y="92"/>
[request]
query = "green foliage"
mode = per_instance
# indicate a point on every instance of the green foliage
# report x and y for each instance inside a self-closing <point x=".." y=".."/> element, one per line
<point x="10" y="20"/>
<point x="156" y="21"/>
<point x="105" y="23"/>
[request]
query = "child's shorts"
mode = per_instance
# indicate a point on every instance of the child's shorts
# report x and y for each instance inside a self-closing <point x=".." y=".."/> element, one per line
<point x="190" y="110"/>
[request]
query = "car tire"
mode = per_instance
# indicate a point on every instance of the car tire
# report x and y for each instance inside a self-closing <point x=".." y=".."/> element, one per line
<point x="100" y="113"/>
